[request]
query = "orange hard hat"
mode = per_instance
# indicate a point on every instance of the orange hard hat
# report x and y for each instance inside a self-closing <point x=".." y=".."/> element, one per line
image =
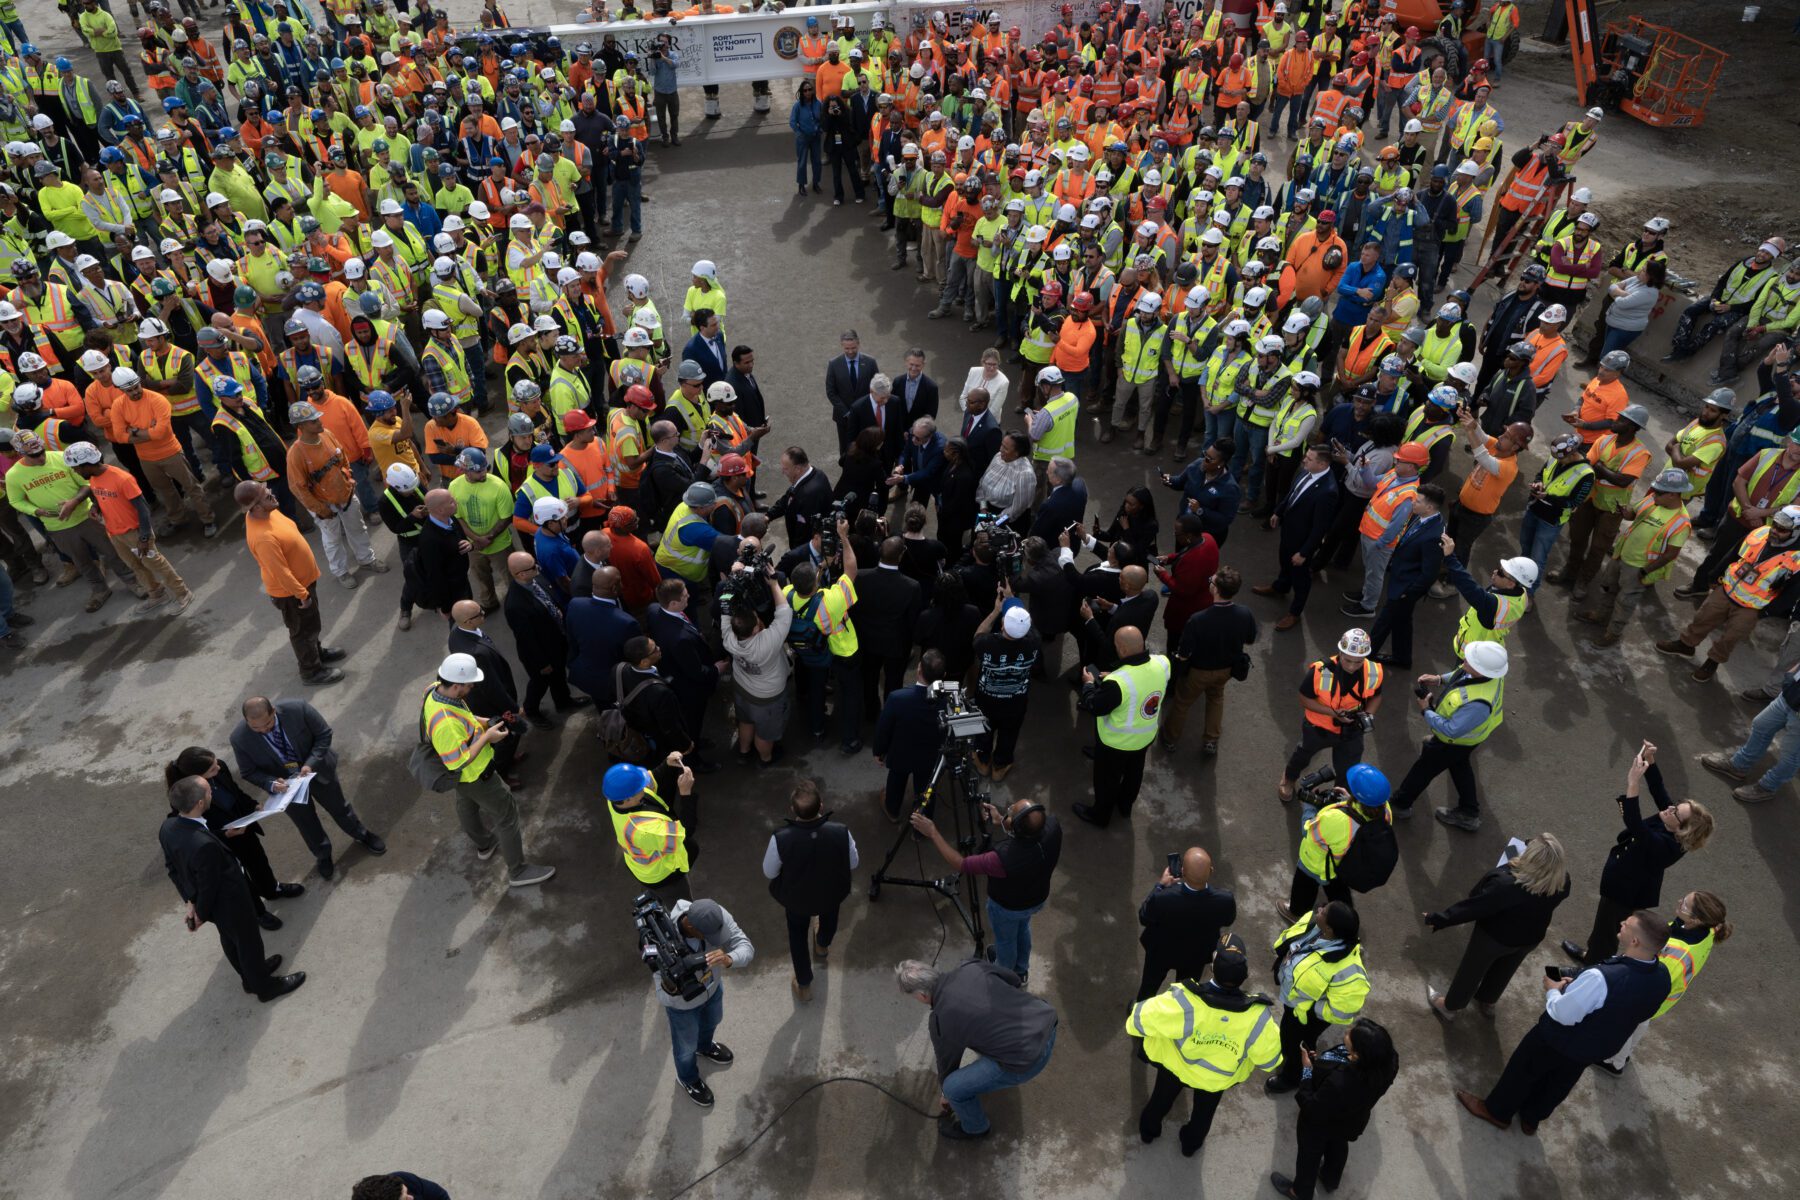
<point x="1414" y="453"/>
<point x="640" y="396"/>
<point x="1083" y="302"/>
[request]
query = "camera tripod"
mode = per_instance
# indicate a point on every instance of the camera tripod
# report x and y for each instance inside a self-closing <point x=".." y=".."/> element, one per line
<point x="952" y="781"/>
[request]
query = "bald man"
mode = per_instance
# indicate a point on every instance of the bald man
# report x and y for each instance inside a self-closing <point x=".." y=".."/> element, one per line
<point x="1183" y="918"/>
<point x="596" y="552"/>
<point x="534" y="613"/>
<point x="442" y="559"/>
<point x="1126" y="703"/>
<point x="597" y="629"/>
<point x="497" y="695"/>
<point x="1102" y="618"/>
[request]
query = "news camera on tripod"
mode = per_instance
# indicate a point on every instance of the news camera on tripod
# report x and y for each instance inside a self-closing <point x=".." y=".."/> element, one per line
<point x="686" y="947"/>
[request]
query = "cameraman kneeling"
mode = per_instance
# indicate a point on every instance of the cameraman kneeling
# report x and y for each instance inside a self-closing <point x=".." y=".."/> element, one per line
<point x="1018" y="871"/>
<point x="706" y="926"/>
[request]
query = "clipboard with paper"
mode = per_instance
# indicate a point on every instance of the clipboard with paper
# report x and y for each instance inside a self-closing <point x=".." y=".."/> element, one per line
<point x="297" y="791"/>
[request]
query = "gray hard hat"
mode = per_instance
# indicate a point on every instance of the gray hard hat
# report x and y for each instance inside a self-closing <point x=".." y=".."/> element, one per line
<point x="698" y="495"/>
<point x="1723" y="398"/>
<point x="1615" y="360"/>
<point x="1672" y="480"/>
<point x="301" y="412"/>
<point x="1637" y="414"/>
<point x="689" y="369"/>
<point x="519" y="423"/>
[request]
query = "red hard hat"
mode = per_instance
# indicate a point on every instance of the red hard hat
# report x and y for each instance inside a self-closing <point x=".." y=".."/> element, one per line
<point x="1032" y="56"/>
<point x="1068" y="10"/>
<point x="1106" y="10"/>
<point x="1412" y="33"/>
<point x="1083" y="302"/>
<point x="1237" y="60"/>
<point x="1111" y="51"/>
<point x="1158" y="202"/>
<point x="1340" y="80"/>
<point x="1014" y="31"/>
<point x="639" y="395"/>
<point x="1361" y="59"/>
<point x="732" y="464"/>
<point x="1052" y="292"/>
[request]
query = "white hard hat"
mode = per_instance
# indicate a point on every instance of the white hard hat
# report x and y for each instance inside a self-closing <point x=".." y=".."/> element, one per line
<point x="1063" y="252"/>
<point x="1050" y="375"/>
<point x="9" y="313"/>
<point x="1017" y="622"/>
<point x="1066" y="212"/>
<point x="443" y="243"/>
<point x="402" y="478"/>
<point x="548" y="508"/>
<point x="124" y="377"/>
<point x="452" y="223"/>
<point x="1306" y="379"/>
<point x="1153" y="177"/>
<point x="519" y="221"/>
<point x="84" y="261"/>
<point x="387" y="208"/>
<point x="460" y="668"/>
<point x="1147" y="229"/>
<point x="214" y="199"/>
<point x="1487" y="659"/>
<point x="219" y="269"/>
<point x="1521" y="569"/>
<point x="353" y="268"/>
<point x="1555" y="313"/>
<point x="1256" y="297"/>
<point x="637" y="285"/>
<point x="705" y="269"/>
<point x="435" y="319"/>
<point x="92" y="361"/>
<point x="1212" y="237"/>
<point x="721" y="393"/>
<point x="566" y="276"/>
<point x="637" y="337"/>
<point x="1196" y="299"/>
<point x="1414" y="126"/>
<point x="1269" y="345"/>
<point x="965" y="142"/>
<point x="1355" y="643"/>
<point x="587" y="262"/>
<point x="1237" y="328"/>
<point x="1464" y="373"/>
<point x="82" y="454"/>
<point x="151" y="327"/>
<point x="1149" y="302"/>
<point x="1297" y="322"/>
<point x="1582" y="196"/>
<point x="444" y="265"/>
<point x="56" y="239"/>
<point x="381" y="238"/>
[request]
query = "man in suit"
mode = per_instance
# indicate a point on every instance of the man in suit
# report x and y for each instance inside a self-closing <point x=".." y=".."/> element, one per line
<point x="211" y="880"/>
<point x="707" y="346"/>
<point x="881" y="409"/>
<point x="1101" y="618"/>
<point x="1182" y="917"/>
<point x="279" y="740"/>
<point x="1064" y="506"/>
<point x="597" y="629"/>
<point x="1050" y="594"/>
<point x="687" y="661"/>
<point x="907" y="739"/>
<point x="667" y="475"/>
<point x="887" y="607"/>
<point x="752" y="409"/>
<point x="917" y="391"/>
<point x="808" y="497"/>
<point x="442" y="559"/>
<point x="921" y="465"/>
<point x="1417" y="557"/>
<point x="497" y="694"/>
<point x="651" y="706"/>
<point x="1303" y="517"/>
<point x="808" y="864"/>
<point x="536" y="619"/>
<point x="847" y="381"/>
<point x="980" y="429"/>
<point x="596" y="552"/>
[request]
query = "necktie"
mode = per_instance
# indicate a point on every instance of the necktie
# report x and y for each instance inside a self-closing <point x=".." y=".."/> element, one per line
<point x="278" y="741"/>
<point x="968" y="426"/>
<point x="852" y="370"/>
<point x="543" y="597"/>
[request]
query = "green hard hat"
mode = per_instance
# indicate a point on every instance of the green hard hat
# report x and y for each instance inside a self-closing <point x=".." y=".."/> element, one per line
<point x="244" y="297"/>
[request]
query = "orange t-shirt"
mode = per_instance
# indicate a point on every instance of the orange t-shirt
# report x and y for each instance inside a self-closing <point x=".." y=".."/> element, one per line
<point x="149" y="413"/>
<point x="958" y="206"/>
<point x="343" y="422"/>
<point x="319" y="473"/>
<point x="1481" y="491"/>
<point x="99" y="400"/>
<point x="830" y="78"/>
<point x="282" y="555"/>
<point x="1074" y="344"/>
<point x="1600" y="402"/>
<point x="114" y="490"/>
<point x="591" y="462"/>
<point x="465" y="433"/>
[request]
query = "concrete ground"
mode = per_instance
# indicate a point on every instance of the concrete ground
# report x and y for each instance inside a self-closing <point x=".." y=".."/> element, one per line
<point x="505" y="1043"/>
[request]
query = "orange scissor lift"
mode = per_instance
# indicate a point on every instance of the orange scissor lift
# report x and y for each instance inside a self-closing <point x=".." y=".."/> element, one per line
<point x="1662" y="77"/>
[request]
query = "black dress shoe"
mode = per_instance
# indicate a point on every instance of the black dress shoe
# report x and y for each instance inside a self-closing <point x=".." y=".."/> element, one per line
<point x="1578" y="953"/>
<point x="331" y="654"/>
<point x="268" y="920"/>
<point x="271" y="963"/>
<point x="287" y="891"/>
<point x="1275" y="1085"/>
<point x="327" y="868"/>
<point x="1087" y="813"/>
<point x="373" y="841"/>
<point x="283" y="985"/>
<point x="1282" y="1183"/>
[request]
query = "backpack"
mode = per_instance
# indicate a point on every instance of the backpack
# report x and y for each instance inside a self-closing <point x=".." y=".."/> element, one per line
<point x="426" y="767"/>
<point x="805" y="638"/>
<point x="1371" y="857"/>
<point x="619" y="739"/>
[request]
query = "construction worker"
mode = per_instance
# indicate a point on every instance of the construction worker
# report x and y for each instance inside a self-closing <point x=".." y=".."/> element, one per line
<point x="1339" y="697"/>
<point x="1768" y="562"/>
<point x="1320" y="974"/>
<point x="1326" y="838"/>
<point x="1575" y="261"/>
<point x="1383" y="521"/>
<point x="1700" y="444"/>
<point x="1774" y="316"/>
<point x="687" y="537"/>
<point x="1768" y="481"/>
<point x="464" y="744"/>
<point x="1560" y="489"/>
<point x="1462" y="708"/>
<point x="1143" y="342"/>
<point x="1619" y="460"/>
<point x="1125" y="703"/>
<point x="1641" y="555"/>
<point x="1206" y="1037"/>
<point x="1733" y="295"/>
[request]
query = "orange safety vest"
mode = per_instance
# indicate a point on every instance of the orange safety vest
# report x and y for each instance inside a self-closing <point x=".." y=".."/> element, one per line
<point x="1752" y="584"/>
<point x="1330" y="105"/>
<point x="1547" y="356"/>
<point x="1390" y="493"/>
<point x="1529" y="187"/>
<point x="1329" y="691"/>
<point x="1358" y="354"/>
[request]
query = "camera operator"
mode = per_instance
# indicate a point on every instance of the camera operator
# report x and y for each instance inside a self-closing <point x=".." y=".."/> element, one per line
<point x="1325" y="839"/>
<point x="654" y="834"/>
<point x="707" y="926"/>
<point x="808" y="864"/>
<point x="907" y="738"/>
<point x="754" y="633"/>
<point x="826" y="610"/>
<point x="1007" y="660"/>
<point x="1337" y="693"/>
<point x="1018" y="872"/>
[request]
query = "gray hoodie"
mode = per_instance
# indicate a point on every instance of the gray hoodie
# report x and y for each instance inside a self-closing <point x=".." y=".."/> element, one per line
<point x="719" y="932"/>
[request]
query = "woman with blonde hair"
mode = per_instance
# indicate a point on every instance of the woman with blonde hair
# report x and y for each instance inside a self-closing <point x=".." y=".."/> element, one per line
<point x="1510" y="907"/>
<point x="1700" y="924"/>
<point x="1646" y="847"/>
<point x="989" y="378"/>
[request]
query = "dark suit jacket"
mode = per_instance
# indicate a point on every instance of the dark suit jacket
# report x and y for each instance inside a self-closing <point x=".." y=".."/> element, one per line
<point x="1060" y="509"/>
<point x="893" y="422"/>
<point x="497" y="692"/>
<point x="1417" y="556"/>
<point x="887" y="608"/>
<point x="655" y="711"/>
<point x="665" y="478"/>
<point x="442" y="567"/>
<point x="925" y="402"/>
<point x="581" y="583"/>
<point x="984" y="440"/>
<point x="906" y="733"/>
<point x="1049" y="593"/>
<point x="861" y="111"/>
<point x="537" y="636"/>
<point x="1182" y="926"/>
<point x="257" y="761"/>
<point x="802" y="505"/>
<point x="597" y="632"/>
<point x="1305" y="522"/>
<point x="205" y="873"/>
<point x="750" y="403"/>
<point x="1138" y="610"/>
<point x="842" y="390"/>
<point x="702" y="353"/>
<point x="687" y="661"/>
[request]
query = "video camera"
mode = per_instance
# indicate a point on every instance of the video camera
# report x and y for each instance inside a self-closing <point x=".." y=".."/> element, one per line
<point x="1319" y="787"/>
<point x="680" y="970"/>
<point x="1004" y="541"/>
<point x="961" y="721"/>
<point x="829" y="545"/>
<point x="747" y="589"/>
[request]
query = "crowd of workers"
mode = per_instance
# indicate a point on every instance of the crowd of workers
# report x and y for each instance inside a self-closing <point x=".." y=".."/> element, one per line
<point x="357" y="265"/>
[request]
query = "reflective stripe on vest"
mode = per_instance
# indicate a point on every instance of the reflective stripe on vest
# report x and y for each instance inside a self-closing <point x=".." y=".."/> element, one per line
<point x="1390" y="493"/>
<point x="689" y="562"/>
<point x="1132" y="725"/>
<point x="1060" y="441"/>
<point x="1510" y="612"/>
<point x="252" y="454"/>
<point x="1489" y="690"/>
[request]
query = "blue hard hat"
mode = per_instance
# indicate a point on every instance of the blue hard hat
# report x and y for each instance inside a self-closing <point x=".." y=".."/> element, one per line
<point x="227" y="134"/>
<point x="337" y="64"/>
<point x="544" y="453"/>
<point x="130" y="119"/>
<point x="551" y="43"/>
<point x="1367" y="786"/>
<point x="379" y="401"/>
<point x="228" y="386"/>
<point x="518" y="50"/>
<point x="110" y="155"/>
<point x="360" y="111"/>
<point x="521" y="74"/>
<point x="1444" y="396"/>
<point x="812" y="22"/>
<point x="623" y="781"/>
<point x="472" y="459"/>
<point x="496" y="161"/>
<point x="439" y="403"/>
<point x="171" y="103"/>
<point x="318" y="114"/>
<point x="26" y="49"/>
<point x="470" y="62"/>
<point x="62" y="64"/>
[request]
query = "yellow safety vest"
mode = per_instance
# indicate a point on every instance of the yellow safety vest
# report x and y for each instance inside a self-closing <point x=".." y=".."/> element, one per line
<point x="252" y="454"/>
<point x="456" y="373"/>
<point x="654" y="842"/>
<point x="452" y="729"/>
<point x="1209" y="1049"/>
<point x="158" y="371"/>
<point x="689" y="562"/>
<point x="1512" y="610"/>
<point x="1060" y="441"/>
<point x="1490" y="690"/>
<point x="1133" y="724"/>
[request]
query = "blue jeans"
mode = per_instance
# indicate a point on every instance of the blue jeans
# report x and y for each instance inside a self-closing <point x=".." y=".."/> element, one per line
<point x="1012" y="936"/>
<point x="1295" y="107"/>
<point x="1218" y="424"/>
<point x="366" y="494"/>
<point x="692" y="1028"/>
<point x="808" y="149"/>
<point x="627" y="192"/>
<point x="1494" y="50"/>
<point x="1248" y="462"/>
<point x="1076" y="382"/>
<point x="1536" y="538"/>
<point x="1775" y="719"/>
<point x="965" y="1086"/>
<point x="1618" y="339"/>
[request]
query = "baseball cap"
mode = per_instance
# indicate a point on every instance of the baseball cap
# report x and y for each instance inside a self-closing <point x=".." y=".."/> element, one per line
<point x="1017" y="622"/>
